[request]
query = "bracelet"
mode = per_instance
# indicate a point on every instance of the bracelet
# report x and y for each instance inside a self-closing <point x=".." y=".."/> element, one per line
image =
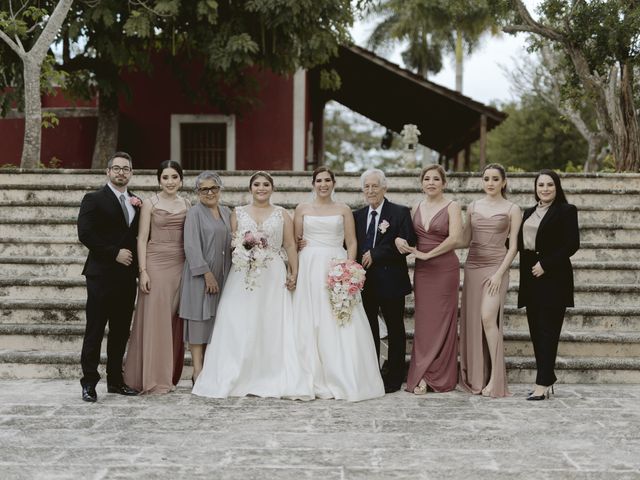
<point x="140" y="270"/>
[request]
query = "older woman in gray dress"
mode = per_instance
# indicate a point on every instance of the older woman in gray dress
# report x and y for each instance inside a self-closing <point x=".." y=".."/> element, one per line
<point x="207" y="247"/>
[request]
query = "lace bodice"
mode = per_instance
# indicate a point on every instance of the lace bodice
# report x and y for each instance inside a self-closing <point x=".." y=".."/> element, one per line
<point x="272" y="227"/>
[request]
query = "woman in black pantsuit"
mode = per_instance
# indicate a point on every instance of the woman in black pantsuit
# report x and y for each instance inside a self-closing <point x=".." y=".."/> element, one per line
<point x="549" y="236"/>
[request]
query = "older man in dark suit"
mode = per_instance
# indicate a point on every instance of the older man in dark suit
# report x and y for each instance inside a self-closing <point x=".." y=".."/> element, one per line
<point x="107" y="226"/>
<point x="377" y="226"/>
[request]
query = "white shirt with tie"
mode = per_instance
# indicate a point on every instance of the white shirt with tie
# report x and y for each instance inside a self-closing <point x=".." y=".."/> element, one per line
<point x="127" y="201"/>
<point x="377" y="220"/>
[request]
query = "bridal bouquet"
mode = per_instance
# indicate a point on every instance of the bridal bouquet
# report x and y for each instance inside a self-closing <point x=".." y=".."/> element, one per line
<point x="251" y="255"/>
<point x="345" y="281"/>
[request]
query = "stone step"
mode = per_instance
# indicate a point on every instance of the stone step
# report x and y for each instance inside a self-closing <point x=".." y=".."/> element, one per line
<point x="520" y="369"/>
<point x="66" y="227"/>
<point x="591" y="319"/>
<point x="69" y="246"/>
<point x="578" y="370"/>
<point x="585" y="319"/>
<point x="51" y="364"/>
<point x="407" y="178"/>
<point x="579" y="344"/>
<point x="42" y="246"/>
<point x="66" y="209"/>
<point x="42" y="266"/>
<point x="38" y="311"/>
<point x="44" y="288"/>
<point x="292" y="195"/>
<point x="584" y="272"/>
<point x="572" y="344"/>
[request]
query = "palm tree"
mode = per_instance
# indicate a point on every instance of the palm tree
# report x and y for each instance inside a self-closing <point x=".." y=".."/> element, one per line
<point x="431" y="28"/>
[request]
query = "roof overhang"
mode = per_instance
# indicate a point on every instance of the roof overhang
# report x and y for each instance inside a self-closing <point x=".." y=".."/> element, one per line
<point x="393" y="96"/>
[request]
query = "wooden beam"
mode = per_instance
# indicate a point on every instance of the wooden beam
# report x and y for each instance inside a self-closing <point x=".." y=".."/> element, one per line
<point x="467" y="158"/>
<point x="483" y="141"/>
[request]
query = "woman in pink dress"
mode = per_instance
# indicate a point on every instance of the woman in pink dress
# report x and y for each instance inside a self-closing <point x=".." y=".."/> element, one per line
<point x="155" y="354"/>
<point x="491" y="222"/>
<point x="438" y="225"/>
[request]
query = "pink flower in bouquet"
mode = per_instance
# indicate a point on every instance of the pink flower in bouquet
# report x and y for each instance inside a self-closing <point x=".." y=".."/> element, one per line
<point x="135" y="201"/>
<point x="345" y="281"/>
<point x="254" y="239"/>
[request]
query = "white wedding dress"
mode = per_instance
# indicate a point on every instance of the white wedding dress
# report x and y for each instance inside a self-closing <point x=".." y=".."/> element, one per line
<point x="342" y="359"/>
<point x="252" y="350"/>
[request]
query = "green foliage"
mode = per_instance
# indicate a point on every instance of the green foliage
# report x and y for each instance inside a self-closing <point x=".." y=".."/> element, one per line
<point x="49" y="119"/>
<point x="429" y="28"/>
<point x="534" y="136"/>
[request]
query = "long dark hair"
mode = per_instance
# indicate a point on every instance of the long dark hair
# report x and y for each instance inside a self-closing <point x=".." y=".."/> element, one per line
<point x="560" y="196"/>
<point x="169" y="164"/>
<point x="320" y="169"/>
<point x="503" y="174"/>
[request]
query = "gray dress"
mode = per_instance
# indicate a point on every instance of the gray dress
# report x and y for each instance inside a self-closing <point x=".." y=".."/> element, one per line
<point x="207" y="248"/>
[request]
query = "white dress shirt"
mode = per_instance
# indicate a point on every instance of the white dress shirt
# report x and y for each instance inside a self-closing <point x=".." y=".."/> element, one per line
<point x="379" y="212"/>
<point x="127" y="202"/>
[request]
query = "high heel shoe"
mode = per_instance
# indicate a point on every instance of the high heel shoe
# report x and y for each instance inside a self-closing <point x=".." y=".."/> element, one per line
<point x="421" y="388"/>
<point x="543" y="396"/>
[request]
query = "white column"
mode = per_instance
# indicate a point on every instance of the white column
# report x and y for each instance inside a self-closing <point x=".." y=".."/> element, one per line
<point x="299" y="115"/>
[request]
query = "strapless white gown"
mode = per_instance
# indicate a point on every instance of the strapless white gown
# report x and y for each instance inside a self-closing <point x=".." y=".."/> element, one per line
<point x="252" y="350"/>
<point x="342" y="359"/>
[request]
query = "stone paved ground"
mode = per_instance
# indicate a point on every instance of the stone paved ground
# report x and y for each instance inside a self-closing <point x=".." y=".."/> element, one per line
<point x="586" y="431"/>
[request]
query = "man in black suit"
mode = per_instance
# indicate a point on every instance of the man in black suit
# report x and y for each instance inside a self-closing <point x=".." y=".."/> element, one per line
<point x="387" y="283"/>
<point x="107" y="226"/>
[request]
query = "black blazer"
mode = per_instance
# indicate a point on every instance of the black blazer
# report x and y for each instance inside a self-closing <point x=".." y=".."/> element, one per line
<point x="558" y="238"/>
<point x="388" y="274"/>
<point x="103" y="229"/>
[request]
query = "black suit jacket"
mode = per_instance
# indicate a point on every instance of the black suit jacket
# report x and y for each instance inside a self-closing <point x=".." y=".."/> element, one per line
<point x="388" y="275"/>
<point x="103" y="229"/>
<point x="558" y="238"/>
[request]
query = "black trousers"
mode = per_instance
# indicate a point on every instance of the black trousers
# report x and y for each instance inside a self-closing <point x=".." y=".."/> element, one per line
<point x="545" y="324"/>
<point x="392" y="310"/>
<point x="109" y="300"/>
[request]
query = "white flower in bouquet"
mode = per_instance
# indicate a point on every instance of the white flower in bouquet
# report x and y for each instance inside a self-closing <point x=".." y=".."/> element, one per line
<point x="345" y="281"/>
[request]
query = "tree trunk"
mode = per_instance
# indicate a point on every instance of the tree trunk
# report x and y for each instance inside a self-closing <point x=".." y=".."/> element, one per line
<point x="595" y="142"/>
<point x="629" y="160"/>
<point x="459" y="60"/>
<point x="107" y="133"/>
<point x="32" y="114"/>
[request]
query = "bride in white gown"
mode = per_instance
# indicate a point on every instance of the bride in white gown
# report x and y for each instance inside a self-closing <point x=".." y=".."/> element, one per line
<point x="252" y="350"/>
<point x="342" y="358"/>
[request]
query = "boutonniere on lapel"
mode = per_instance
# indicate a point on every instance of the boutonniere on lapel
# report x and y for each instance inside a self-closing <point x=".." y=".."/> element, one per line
<point x="382" y="227"/>
<point x="135" y="201"/>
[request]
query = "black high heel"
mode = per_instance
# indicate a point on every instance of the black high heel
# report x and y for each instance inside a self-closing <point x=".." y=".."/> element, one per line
<point x="544" y="396"/>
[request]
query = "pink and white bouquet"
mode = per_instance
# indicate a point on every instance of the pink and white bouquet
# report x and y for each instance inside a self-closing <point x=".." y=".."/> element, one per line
<point x="251" y="254"/>
<point x="345" y="281"/>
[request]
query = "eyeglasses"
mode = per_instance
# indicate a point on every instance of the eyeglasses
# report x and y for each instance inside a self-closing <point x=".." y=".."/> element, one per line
<point x="118" y="169"/>
<point x="209" y="190"/>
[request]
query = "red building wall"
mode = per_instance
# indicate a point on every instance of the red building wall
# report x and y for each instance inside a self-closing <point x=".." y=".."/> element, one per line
<point x="70" y="142"/>
<point x="264" y="135"/>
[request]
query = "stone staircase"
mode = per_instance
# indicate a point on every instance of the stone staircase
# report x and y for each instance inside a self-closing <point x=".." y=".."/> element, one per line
<point x="42" y="293"/>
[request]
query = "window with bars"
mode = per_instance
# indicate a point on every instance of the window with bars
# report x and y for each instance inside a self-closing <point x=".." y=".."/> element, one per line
<point x="204" y="146"/>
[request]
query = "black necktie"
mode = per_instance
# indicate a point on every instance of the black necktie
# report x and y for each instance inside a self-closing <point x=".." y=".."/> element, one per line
<point x="371" y="232"/>
<point x="124" y="209"/>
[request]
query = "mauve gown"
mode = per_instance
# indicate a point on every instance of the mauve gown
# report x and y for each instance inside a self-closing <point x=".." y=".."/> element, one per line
<point x="434" y="356"/>
<point x="156" y="353"/>
<point x="486" y="253"/>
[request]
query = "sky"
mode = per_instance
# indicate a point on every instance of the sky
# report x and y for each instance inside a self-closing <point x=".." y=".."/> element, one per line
<point x="484" y="77"/>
